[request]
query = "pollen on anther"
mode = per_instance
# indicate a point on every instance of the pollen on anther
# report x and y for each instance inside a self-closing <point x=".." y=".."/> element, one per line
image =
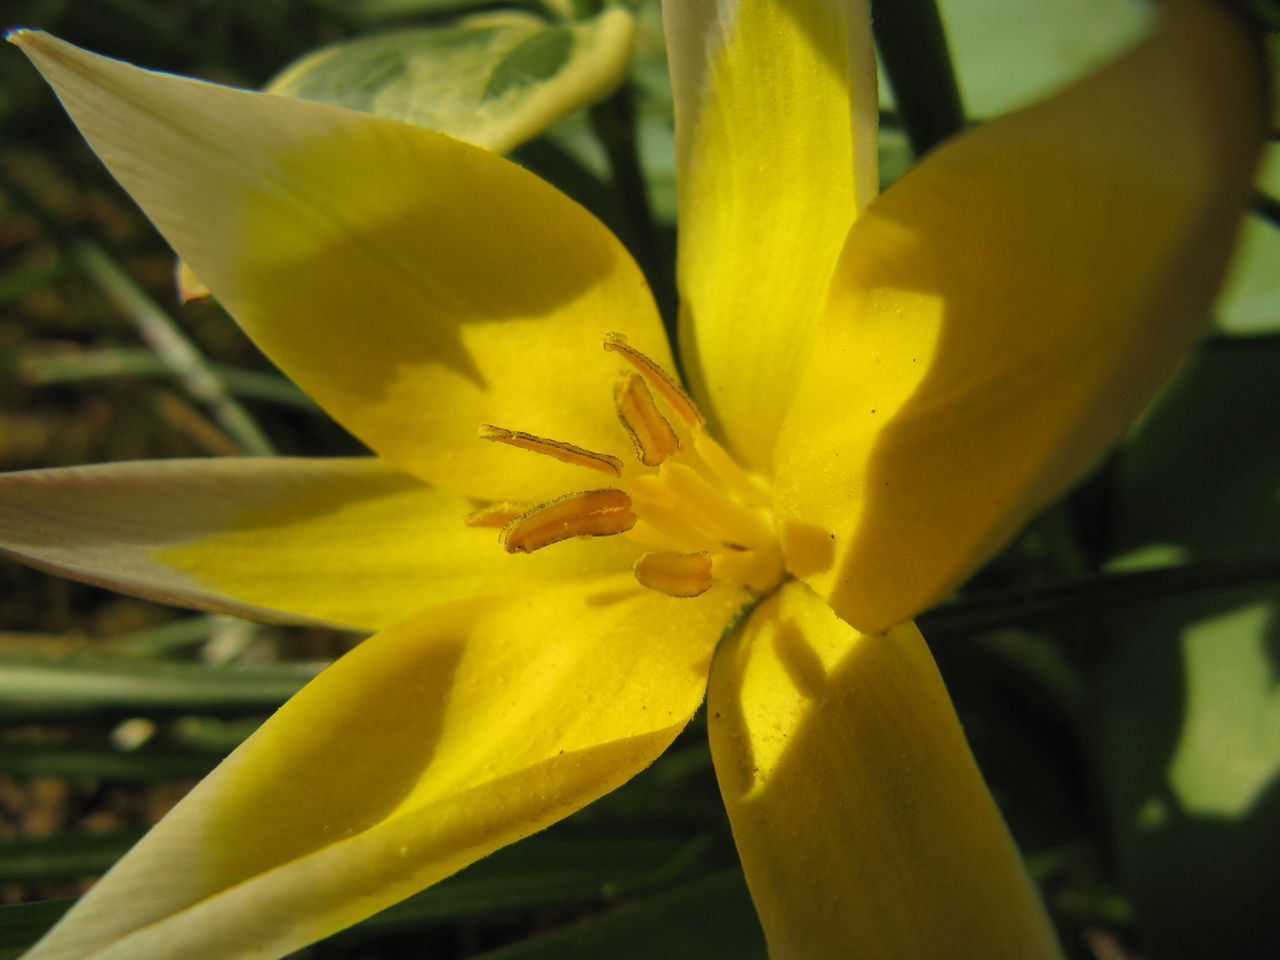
<point x="558" y="449"/>
<point x="650" y="432"/>
<point x="592" y="513"/>
<point x="675" y="574"/>
<point x="661" y="381"/>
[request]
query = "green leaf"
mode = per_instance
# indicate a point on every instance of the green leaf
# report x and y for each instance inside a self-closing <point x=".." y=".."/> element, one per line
<point x="1202" y="476"/>
<point x="22" y="924"/>
<point x="1009" y="52"/>
<point x="388" y="9"/>
<point x="1190" y="698"/>
<point x="495" y="80"/>
<point x="566" y="866"/>
<point x="1251" y="302"/>
<point x="45" y="760"/>
<point x="32" y="690"/>
<point x="1191" y="758"/>
<point x="710" y="917"/>
<point x="62" y="856"/>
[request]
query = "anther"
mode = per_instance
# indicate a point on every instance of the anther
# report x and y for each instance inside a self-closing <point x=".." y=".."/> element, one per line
<point x="650" y="432"/>
<point x="661" y="381"/>
<point x="564" y="452"/>
<point x="675" y="574"/>
<point x="497" y="514"/>
<point x="593" y="513"/>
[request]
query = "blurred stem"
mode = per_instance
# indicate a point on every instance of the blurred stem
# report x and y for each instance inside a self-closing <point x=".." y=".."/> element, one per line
<point x="61" y="856"/>
<point x="156" y="327"/>
<point x="913" y="49"/>
<point x="92" y="688"/>
<point x="613" y="120"/>
<point x="106" y="763"/>
<point x="58" y="367"/>
<point x="148" y="643"/>
<point x="1090" y="595"/>
<point x="171" y="345"/>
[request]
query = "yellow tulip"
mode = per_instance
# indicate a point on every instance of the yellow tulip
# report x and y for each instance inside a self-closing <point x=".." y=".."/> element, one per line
<point x="882" y="389"/>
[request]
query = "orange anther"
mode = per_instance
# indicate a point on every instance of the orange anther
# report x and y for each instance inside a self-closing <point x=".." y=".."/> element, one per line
<point x="593" y="513"/>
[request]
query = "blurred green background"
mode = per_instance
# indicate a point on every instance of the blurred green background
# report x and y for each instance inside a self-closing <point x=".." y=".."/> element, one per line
<point x="1117" y="668"/>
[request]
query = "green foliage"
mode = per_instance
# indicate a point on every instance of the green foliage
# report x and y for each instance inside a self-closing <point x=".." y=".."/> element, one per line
<point x="1191" y="695"/>
<point x="1251" y="303"/>
<point x="1129" y="724"/>
<point x="496" y="80"/>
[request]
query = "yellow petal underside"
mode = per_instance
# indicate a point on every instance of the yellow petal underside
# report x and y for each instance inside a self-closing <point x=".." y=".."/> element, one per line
<point x="863" y="824"/>
<point x="776" y="152"/>
<point x="353" y="543"/>
<point x="428" y="746"/>
<point x="1006" y="309"/>
<point x="416" y="286"/>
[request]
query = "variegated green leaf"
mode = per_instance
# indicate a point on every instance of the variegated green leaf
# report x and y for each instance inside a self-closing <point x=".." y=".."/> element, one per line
<point x="495" y="80"/>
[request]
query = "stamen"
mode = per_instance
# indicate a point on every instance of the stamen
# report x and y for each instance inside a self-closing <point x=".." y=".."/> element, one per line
<point x="675" y="574"/>
<point x="670" y="523"/>
<point x="659" y="379"/>
<point x="737" y="526"/>
<point x="593" y="513"/>
<point x="564" y="452"/>
<point x="651" y="434"/>
<point x="497" y="514"/>
<point x="726" y="468"/>
<point x="648" y="535"/>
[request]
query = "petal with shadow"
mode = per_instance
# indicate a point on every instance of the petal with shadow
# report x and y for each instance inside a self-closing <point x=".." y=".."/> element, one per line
<point x="428" y="746"/>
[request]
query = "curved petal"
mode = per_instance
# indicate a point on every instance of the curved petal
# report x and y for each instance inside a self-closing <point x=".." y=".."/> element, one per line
<point x="864" y="826"/>
<point x="427" y="747"/>
<point x="352" y="543"/>
<point x="1004" y="311"/>
<point x="416" y="286"/>
<point x="776" y="152"/>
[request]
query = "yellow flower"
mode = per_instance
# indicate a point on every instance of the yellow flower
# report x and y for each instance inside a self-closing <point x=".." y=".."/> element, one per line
<point x="890" y="386"/>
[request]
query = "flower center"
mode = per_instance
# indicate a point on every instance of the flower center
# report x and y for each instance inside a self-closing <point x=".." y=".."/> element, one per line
<point x="703" y="517"/>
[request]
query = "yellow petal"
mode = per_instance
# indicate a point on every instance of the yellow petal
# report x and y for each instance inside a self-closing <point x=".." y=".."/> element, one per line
<point x="776" y="151"/>
<point x="460" y="79"/>
<point x="352" y="543"/>
<point x="863" y="824"/>
<point x="1004" y="311"/>
<point x="416" y="286"/>
<point x="427" y="747"/>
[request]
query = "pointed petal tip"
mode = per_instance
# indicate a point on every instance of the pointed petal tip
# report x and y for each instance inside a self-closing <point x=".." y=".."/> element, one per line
<point x="20" y="36"/>
<point x="42" y="47"/>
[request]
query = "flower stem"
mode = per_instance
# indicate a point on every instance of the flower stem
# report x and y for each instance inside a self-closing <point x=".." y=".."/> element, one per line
<point x="1092" y="594"/>
<point x="62" y="366"/>
<point x="913" y="49"/>
<point x="613" y="120"/>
